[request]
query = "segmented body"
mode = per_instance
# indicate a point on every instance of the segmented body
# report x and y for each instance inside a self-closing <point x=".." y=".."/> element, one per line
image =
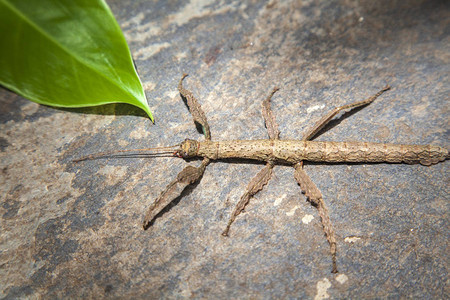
<point x="294" y="151"/>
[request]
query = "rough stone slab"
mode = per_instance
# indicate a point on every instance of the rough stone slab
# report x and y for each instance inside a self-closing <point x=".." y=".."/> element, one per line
<point x="74" y="230"/>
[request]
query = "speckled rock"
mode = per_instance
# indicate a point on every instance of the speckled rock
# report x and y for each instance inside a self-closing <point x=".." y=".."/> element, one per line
<point x="74" y="230"/>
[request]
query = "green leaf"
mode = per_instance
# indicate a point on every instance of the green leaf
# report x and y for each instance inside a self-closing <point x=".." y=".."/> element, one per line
<point x="67" y="53"/>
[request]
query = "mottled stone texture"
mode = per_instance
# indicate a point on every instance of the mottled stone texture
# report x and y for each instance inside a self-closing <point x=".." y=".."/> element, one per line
<point x="74" y="230"/>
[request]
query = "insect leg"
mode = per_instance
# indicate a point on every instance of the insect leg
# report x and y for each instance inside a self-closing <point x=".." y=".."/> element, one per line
<point x="263" y="177"/>
<point x="328" y="117"/>
<point x="315" y="197"/>
<point x="195" y="108"/>
<point x="269" y="118"/>
<point x="188" y="176"/>
<point x="255" y="185"/>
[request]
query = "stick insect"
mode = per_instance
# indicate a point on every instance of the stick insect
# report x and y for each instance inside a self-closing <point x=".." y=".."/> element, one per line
<point x="273" y="151"/>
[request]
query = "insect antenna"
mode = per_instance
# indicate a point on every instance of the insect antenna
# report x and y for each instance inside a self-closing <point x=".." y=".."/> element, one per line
<point x="147" y="152"/>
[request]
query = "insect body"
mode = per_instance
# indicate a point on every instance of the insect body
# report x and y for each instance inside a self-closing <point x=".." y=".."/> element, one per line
<point x="294" y="151"/>
<point x="274" y="150"/>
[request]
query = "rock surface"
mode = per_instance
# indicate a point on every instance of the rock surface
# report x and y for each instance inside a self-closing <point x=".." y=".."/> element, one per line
<point x="74" y="230"/>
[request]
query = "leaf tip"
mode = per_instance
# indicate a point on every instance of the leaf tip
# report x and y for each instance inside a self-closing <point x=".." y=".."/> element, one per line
<point x="149" y="113"/>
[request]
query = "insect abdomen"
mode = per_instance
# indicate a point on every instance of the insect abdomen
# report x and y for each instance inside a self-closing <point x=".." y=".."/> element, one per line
<point x="374" y="152"/>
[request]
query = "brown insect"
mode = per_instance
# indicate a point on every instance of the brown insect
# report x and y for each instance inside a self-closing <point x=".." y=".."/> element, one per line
<point x="274" y="151"/>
